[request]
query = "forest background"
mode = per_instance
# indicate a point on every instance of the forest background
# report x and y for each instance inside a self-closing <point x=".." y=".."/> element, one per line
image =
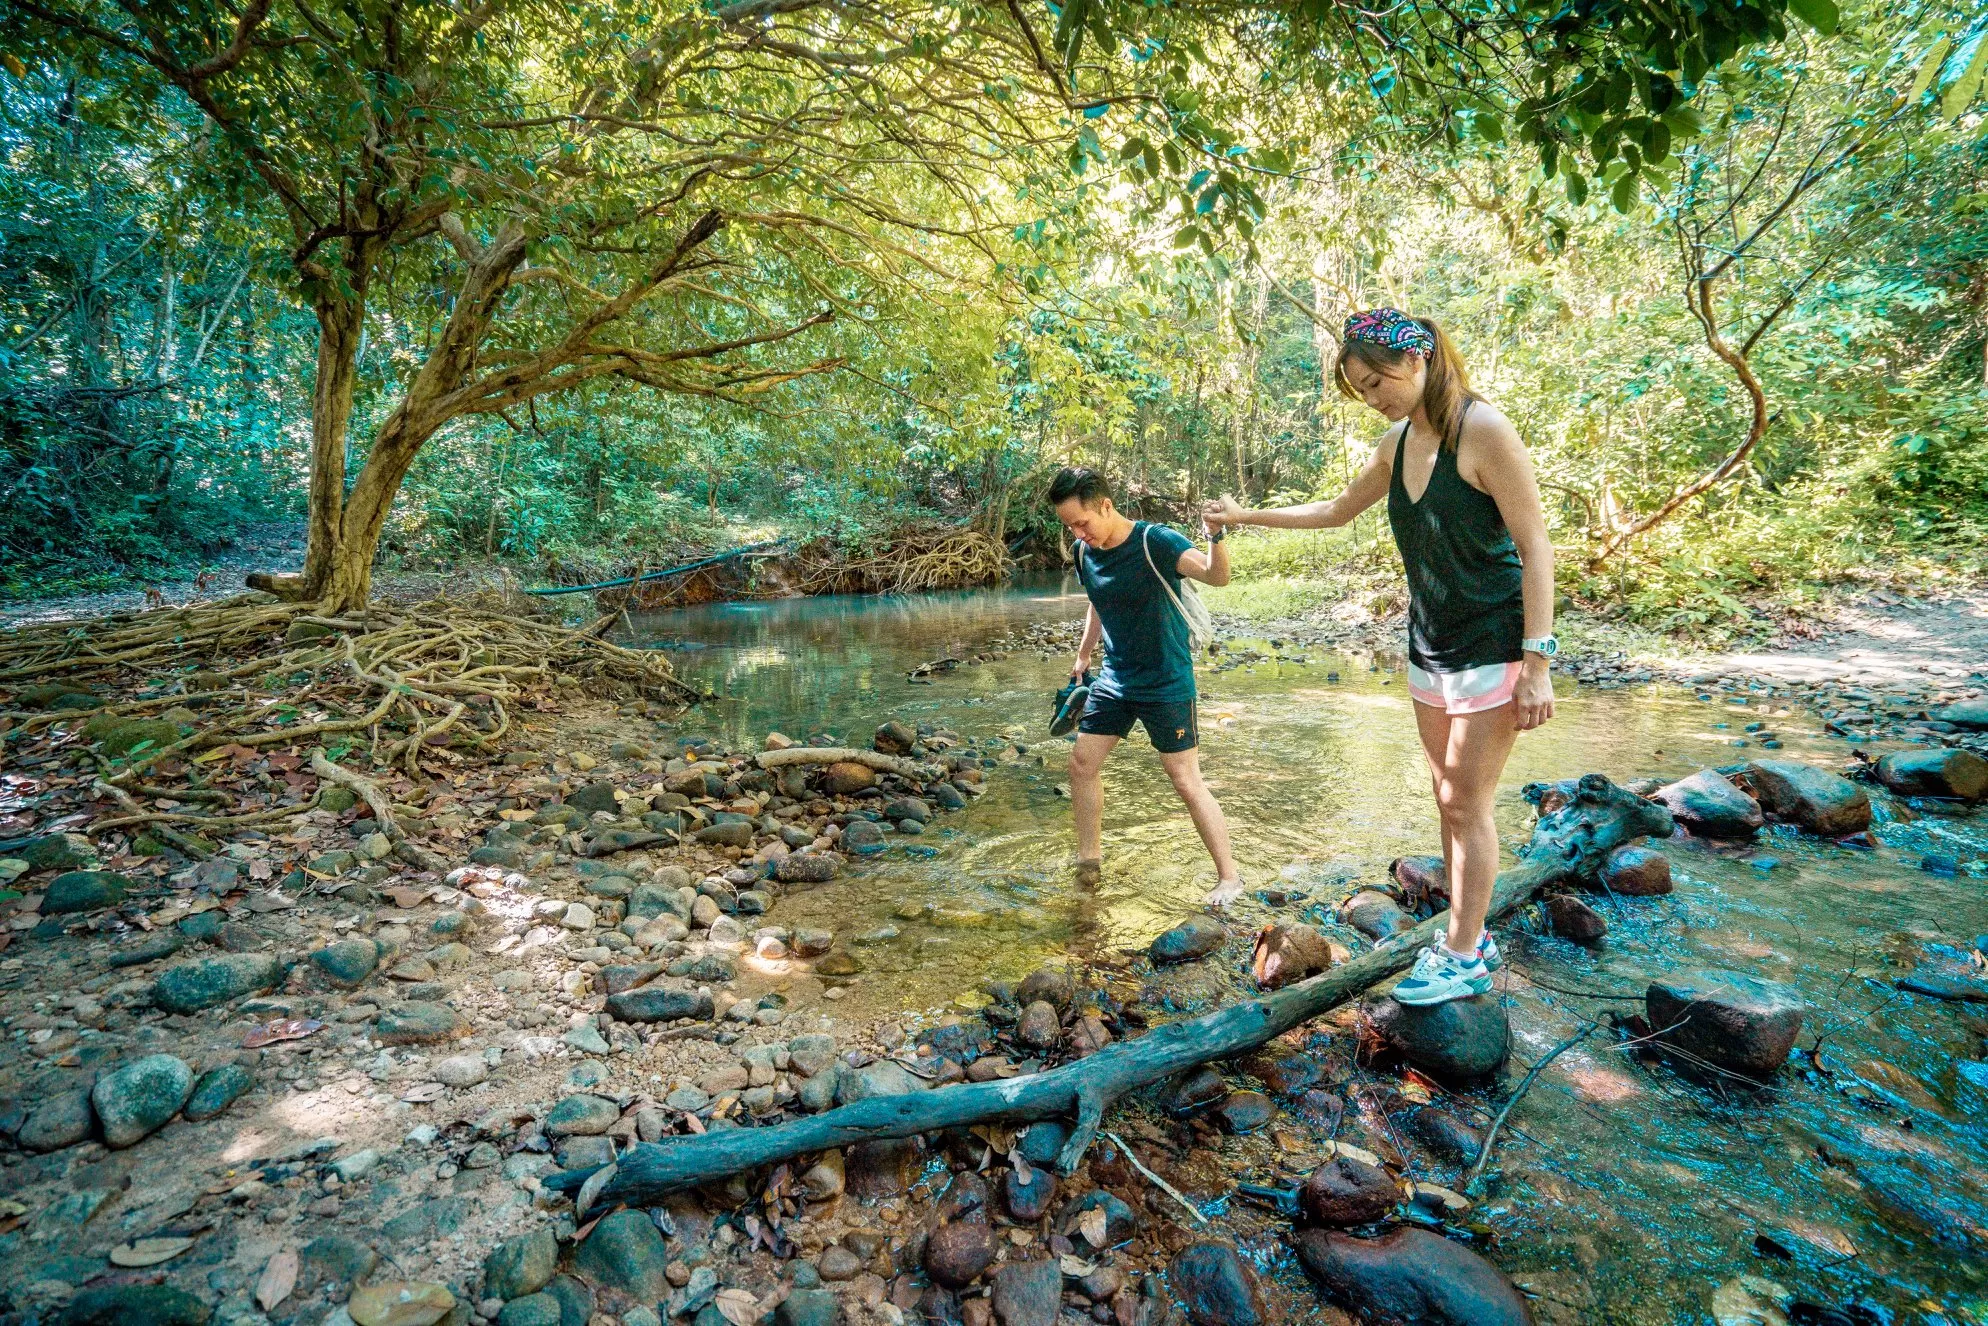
<point x="896" y="265"/>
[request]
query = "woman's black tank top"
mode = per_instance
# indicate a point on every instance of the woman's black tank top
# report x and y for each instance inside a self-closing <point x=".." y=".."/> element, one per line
<point x="1465" y="608"/>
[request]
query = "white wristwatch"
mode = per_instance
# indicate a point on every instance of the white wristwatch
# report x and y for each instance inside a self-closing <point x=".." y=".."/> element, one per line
<point x="1545" y="646"/>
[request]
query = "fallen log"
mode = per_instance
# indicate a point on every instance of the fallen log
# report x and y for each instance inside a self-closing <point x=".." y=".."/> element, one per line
<point x="882" y="763"/>
<point x="1572" y="841"/>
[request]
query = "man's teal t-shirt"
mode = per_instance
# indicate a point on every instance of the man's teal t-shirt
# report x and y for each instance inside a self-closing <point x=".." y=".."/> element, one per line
<point x="1146" y="652"/>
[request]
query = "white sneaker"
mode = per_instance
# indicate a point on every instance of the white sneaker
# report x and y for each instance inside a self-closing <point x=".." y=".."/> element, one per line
<point x="1487" y="953"/>
<point x="1439" y="976"/>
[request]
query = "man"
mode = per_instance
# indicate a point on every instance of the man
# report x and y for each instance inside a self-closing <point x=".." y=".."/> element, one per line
<point x="1131" y="572"/>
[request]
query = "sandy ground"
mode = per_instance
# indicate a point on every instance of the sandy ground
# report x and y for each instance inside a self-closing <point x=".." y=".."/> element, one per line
<point x="1881" y="640"/>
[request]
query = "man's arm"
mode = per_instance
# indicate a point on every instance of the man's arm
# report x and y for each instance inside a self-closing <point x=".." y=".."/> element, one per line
<point x="1211" y="568"/>
<point x="1093" y="629"/>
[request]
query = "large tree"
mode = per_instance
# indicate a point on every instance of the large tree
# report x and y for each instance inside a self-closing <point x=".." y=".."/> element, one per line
<point x="686" y="196"/>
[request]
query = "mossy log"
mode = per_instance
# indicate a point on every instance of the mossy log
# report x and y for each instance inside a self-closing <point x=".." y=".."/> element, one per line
<point x="1595" y="817"/>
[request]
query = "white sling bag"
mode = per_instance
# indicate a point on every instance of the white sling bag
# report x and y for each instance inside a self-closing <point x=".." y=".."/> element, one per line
<point x="1200" y="623"/>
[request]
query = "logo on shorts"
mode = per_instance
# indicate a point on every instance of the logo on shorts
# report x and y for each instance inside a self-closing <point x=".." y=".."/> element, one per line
<point x="1179" y="732"/>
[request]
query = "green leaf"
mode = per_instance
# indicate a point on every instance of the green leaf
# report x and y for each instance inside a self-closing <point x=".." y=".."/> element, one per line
<point x="1577" y="188"/>
<point x="1822" y="15"/>
<point x="1489" y="126"/>
<point x="1132" y="147"/>
<point x="1623" y="195"/>
<point x="1929" y="68"/>
<point x="1961" y="94"/>
<point x="1098" y="111"/>
<point x="1187" y="237"/>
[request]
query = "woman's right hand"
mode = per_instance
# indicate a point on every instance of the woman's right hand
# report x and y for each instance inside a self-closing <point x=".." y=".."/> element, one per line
<point x="1223" y="511"/>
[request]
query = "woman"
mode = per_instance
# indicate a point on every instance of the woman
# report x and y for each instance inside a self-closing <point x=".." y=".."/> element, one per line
<point x="1466" y="515"/>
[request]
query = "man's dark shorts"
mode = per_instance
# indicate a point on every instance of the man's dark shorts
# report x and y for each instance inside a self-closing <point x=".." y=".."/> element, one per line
<point x="1170" y="723"/>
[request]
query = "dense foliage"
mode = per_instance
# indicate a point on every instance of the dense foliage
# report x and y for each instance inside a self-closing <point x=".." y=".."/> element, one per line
<point x="607" y="282"/>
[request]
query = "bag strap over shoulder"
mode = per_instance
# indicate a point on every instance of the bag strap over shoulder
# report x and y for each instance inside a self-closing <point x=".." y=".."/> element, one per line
<point x="1146" y="544"/>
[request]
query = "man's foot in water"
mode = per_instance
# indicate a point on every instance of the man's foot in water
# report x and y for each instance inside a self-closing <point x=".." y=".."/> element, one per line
<point x="1088" y="873"/>
<point x="1225" y="892"/>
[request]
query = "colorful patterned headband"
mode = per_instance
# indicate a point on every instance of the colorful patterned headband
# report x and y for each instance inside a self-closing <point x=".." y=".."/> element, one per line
<point x="1393" y="329"/>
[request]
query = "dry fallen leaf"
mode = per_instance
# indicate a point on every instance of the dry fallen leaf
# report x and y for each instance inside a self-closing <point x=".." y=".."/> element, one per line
<point x="148" y="1252"/>
<point x="280" y="1029"/>
<point x="591" y="1189"/>
<point x="738" y="1306"/>
<point x="421" y="1093"/>
<point x="1092" y="1225"/>
<point x="279" y="1277"/>
<point x="1073" y="1265"/>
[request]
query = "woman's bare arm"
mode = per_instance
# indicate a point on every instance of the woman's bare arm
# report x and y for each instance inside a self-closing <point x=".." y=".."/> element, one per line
<point x="1368" y="487"/>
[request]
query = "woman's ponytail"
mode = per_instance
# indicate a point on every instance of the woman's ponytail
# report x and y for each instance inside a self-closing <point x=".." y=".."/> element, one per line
<point x="1446" y="390"/>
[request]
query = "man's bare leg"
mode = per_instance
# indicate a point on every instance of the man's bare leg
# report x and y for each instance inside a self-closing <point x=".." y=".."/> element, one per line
<point x="1184" y="768"/>
<point x="1087" y="759"/>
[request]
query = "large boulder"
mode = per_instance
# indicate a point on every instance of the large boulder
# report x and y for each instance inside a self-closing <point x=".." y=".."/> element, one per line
<point x="1957" y="774"/>
<point x="1814" y="800"/>
<point x="1410" y="1276"/>
<point x="1461" y="1041"/>
<point x="1710" y="806"/>
<point x="1737" y="1023"/>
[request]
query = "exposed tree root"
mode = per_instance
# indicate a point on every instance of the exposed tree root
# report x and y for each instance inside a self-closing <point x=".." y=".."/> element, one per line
<point x="1571" y="841"/>
<point x="401" y="683"/>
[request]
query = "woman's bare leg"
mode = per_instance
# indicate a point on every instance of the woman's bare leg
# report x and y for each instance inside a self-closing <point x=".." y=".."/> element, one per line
<point x="1467" y="754"/>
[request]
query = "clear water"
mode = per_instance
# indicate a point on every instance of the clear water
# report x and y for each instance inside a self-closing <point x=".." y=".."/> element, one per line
<point x="1628" y="1194"/>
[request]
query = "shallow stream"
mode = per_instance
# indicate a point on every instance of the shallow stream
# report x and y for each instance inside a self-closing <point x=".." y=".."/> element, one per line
<point x="1629" y="1194"/>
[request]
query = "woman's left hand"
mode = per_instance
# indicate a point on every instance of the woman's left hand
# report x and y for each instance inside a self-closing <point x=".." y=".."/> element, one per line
<point x="1533" y="696"/>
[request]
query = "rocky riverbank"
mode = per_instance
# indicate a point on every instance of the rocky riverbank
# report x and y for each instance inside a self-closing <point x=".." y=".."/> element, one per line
<point x="334" y="1073"/>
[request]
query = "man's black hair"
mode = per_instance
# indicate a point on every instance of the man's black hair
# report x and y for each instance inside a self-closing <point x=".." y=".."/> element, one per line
<point x="1086" y="485"/>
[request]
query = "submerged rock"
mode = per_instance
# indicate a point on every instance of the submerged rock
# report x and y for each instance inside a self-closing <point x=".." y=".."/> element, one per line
<point x="1815" y="800"/>
<point x="1189" y="941"/>
<point x="1958" y="774"/>
<point x="1374" y="915"/>
<point x="1191" y="1092"/>
<point x="1710" y="806"/>
<point x="1410" y="1276"/>
<point x="1570" y="918"/>
<point x="1215" y="1286"/>
<point x="1636" y="872"/>
<point x="1424" y="881"/>
<point x="1460" y="1041"/>
<point x="1739" y="1023"/>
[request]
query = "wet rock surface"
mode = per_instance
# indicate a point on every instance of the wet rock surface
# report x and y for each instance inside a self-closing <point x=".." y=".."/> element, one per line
<point x="1815" y="800"/>
<point x="1709" y="805"/>
<point x="1462" y="1041"/>
<point x="1733" y="1021"/>
<point x="1410" y="1277"/>
<point x="1636" y="872"/>
<point x="1189" y="941"/>
<point x="1344" y="1192"/>
<point x="1216" y="1287"/>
